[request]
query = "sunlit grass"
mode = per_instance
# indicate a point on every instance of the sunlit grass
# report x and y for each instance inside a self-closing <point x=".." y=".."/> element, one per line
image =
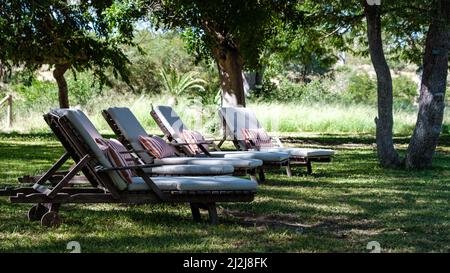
<point x="341" y="207"/>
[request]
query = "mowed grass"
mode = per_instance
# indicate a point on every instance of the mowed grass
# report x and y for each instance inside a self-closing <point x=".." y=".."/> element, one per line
<point x="340" y="208"/>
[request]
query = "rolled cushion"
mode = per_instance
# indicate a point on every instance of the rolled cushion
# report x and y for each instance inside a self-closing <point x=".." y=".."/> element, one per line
<point x="235" y="162"/>
<point x="194" y="137"/>
<point x="116" y="159"/>
<point x="264" y="156"/>
<point x="303" y="152"/>
<point x="192" y="183"/>
<point x="156" y="146"/>
<point x="122" y="150"/>
<point x="257" y="138"/>
<point x="191" y="170"/>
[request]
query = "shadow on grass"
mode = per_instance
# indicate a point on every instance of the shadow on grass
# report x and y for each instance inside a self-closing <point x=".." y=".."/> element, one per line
<point x="340" y="207"/>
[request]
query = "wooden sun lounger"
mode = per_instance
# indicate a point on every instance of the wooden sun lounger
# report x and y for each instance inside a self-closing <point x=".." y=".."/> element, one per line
<point x="214" y="147"/>
<point x="230" y="134"/>
<point x="101" y="189"/>
<point x="120" y="136"/>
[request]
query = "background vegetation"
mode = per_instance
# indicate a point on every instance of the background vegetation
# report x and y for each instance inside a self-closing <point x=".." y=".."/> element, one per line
<point x="337" y="98"/>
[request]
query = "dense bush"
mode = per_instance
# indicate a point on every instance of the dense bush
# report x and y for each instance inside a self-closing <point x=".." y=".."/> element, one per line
<point x="362" y="89"/>
<point x="159" y="51"/>
<point x="40" y="95"/>
<point x="346" y="87"/>
<point x="405" y="90"/>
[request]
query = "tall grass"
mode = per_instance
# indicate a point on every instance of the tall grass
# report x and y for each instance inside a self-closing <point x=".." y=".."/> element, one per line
<point x="329" y="118"/>
<point x="275" y="117"/>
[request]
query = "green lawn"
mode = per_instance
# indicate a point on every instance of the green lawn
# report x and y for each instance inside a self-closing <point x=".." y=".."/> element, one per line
<point x="340" y="208"/>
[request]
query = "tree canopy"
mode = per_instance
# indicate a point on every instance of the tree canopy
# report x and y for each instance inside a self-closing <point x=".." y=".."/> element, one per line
<point x="68" y="34"/>
<point x="233" y="32"/>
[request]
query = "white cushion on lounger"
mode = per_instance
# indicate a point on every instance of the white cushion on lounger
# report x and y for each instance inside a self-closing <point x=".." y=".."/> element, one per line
<point x="237" y="118"/>
<point x="190" y="183"/>
<point x="264" y="156"/>
<point x="171" y="120"/>
<point x="302" y="152"/>
<point x="235" y="162"/>
<point x="191" y="170"/>
<point x="130" y="128"/>
<point x="173" y="123"/>
<point x="89" y="133"/>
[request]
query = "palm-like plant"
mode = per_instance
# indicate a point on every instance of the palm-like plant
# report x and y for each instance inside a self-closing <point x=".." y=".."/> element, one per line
<point x="177" y="85"/>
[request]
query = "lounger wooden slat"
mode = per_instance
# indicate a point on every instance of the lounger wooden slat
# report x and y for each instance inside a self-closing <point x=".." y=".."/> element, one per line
<point x="100" y="189"/>
<point x="213" y="147"/>
<point x="238" y="171"/>
<point x="234" y="119"/>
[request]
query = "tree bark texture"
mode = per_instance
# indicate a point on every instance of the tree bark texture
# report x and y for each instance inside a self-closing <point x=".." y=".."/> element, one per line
<point x="432" y="90"/>
<point x="63" y="91"/>
<point x="387" y="154"/>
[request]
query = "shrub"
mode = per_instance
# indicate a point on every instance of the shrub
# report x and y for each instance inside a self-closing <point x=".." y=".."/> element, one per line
<point x="361" y="89"/>
<point x="316" y="91"/>
<point x="405" y="90"/>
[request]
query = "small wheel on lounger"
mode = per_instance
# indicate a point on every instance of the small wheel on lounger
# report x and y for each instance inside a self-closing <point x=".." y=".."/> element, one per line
<point x="51" y="219"/>
<point x="36" y="212"/>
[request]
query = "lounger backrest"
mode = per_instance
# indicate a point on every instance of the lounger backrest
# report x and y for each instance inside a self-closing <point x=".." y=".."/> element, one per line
<point x="237" y="118"/>
<point x="89" y="133"/>
<point x="131" y="129"/>
<point x="171" y="121"/>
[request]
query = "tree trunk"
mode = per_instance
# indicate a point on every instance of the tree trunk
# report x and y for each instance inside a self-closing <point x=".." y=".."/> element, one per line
<point x="432" y="90"/>
<point x="230" y="66"/>
<point x="63" y="91"/>
<point x="387" y="154"/>
<point x="259" y="78"/>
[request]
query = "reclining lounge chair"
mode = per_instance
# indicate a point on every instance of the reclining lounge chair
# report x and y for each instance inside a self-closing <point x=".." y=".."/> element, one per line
<point x="175" y="131"/>
<point x="78" y="136"/>
<point x="128" y="131"/>
<point x="242" y="127"/>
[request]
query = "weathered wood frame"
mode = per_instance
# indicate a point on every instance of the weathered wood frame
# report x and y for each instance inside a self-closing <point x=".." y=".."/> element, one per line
<point x="121" y="137"/>
<point x="101" y="189"/>
<point x="293" y="160"/>
<point x="267" y="165"/>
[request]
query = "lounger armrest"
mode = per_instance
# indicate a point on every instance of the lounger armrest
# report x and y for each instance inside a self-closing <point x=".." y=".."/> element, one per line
<point x="208" y="142"/>
<point x="181" y="143"/>
<point x="138" y="151"/>
<point x="126" y="152"/>
<point x="135" y="167"/>
<point x="278" y="141"/>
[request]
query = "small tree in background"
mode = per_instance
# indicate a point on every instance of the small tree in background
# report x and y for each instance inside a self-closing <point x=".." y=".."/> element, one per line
<point x="233" y="32"/>
<point x="75" y="35"/>
<point x="178" y="85"/>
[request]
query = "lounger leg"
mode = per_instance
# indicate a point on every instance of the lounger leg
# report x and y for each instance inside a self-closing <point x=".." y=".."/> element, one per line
<point x="289" y="170"/>
<point x="53" y="206"/>
<point x="308" y="167"/>
<point x="54" y="191"/>
<point x="252" y="174"/>
<point x="53" y="169"/>
<point x="195" y="209"/>
<point x="212" y="211"/>
<point x="262" y="176"/>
